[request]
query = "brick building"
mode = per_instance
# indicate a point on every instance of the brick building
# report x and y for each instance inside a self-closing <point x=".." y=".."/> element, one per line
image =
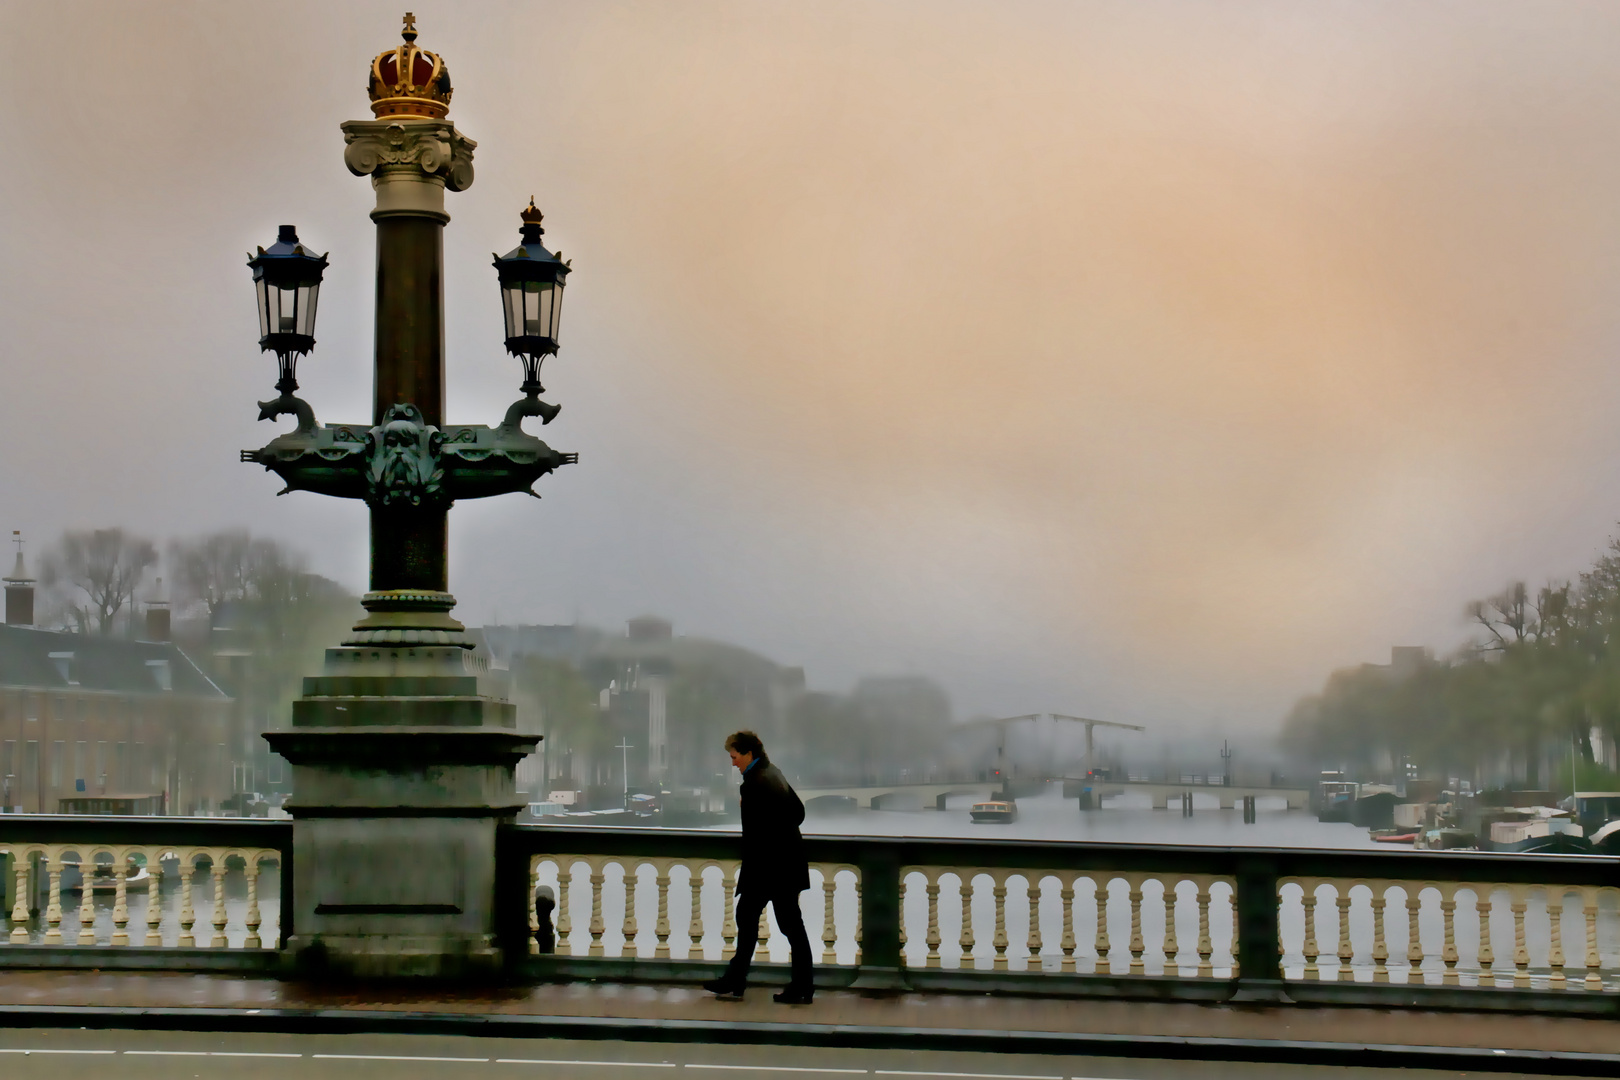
<point x="87" y="719"/>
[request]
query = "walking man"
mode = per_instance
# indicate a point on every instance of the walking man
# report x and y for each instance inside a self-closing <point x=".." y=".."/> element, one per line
<point x="774" y="870"/>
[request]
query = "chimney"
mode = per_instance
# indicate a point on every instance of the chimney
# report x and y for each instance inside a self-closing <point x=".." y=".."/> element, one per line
<point x="157" y="616"/>
<point x="19" y="589"/>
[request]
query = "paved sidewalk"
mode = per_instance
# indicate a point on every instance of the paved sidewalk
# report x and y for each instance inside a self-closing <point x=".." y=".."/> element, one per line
<point x="626" y="1011"/>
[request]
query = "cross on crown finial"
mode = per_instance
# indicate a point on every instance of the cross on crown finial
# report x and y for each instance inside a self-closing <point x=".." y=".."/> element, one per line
<point x="409" y="33"/>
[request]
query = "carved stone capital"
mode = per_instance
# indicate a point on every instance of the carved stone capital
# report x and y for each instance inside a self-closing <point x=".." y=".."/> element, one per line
<point x="433" y="146"/>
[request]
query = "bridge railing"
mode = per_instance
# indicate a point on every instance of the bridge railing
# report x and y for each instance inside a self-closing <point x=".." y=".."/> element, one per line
<point x="1185" y="922"/>
<point x="143" y="892"/>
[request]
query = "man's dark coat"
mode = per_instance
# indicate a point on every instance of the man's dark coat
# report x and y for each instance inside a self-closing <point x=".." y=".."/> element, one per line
<point x="773" y="856"/>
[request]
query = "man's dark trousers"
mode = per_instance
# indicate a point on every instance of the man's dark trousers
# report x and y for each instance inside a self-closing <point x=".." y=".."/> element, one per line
<point x="789" y="920"/>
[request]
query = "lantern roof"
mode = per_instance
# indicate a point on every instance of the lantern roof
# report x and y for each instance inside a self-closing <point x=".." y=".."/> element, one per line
<point x="409" y="81"/>
<point x="287" y="251"/>
<point x="531" y="254"/>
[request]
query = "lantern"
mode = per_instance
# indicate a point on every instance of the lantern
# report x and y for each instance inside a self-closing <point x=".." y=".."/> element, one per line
<point x="532" y="280"/>
<point x="288" y="281"/>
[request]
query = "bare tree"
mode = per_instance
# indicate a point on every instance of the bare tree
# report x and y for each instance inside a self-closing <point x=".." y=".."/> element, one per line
<point x="100" y="570"/>
<point x="1508" y="616"/>
<point x="228" y="567"/>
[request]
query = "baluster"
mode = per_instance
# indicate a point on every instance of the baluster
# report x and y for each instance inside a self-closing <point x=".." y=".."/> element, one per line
<point x="728" y="932"/>
<point x="1171" y="948"/>
<point x="901" y="908"/>
<point x="1414" y="938"/>
<point x="1448" y="948"/>
<point x="120" y="912"/>
<point x="1307" y="901"/>
<point x="932" y="940"/>
<point x="967" y="943"/>
<point x="1205" y="948"/>
<point x="631" y="877"/>
<point x="1555" y="950"/>
<point x="597" y="927"/>
<point x="1137" y="948"/>
<point x="829" y="930"/>
<point x="1099" y="892"/>
<point x="1482" y="907"/>
<point x="1032" y="893"/>
<point x="694" y="922"/>
<point x="253" y="920"/>
<point x="999" y="892"/>
<point x="565" y="920"/>
<point x="188" y="915"/>
<point x="53" y="908"/>
<point x="1347" y="954"/>
<point x="154" y="898"/>
<point x="218" y="941"/>
<point x="661" y="928"/>
<point x="534" y="910"/>
<point x="19" y="908"/>
<point x="1521" y="955"/>
<point x="1594" y="963"/>
<point x="762" y="944"/>
<point x="1380" y="951"/>
<point x="87" y="900"/>
<point x="860" y="920"/>
<point x="1066" y="895"/>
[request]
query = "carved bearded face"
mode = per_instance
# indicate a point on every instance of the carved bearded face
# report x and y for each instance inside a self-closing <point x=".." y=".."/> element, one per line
<point x="400" y="440"/>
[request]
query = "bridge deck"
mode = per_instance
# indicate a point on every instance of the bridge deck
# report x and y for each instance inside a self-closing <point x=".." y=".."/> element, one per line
<point x="662" y="1012"/>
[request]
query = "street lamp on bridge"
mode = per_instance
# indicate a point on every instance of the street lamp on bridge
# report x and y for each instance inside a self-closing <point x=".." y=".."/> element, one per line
<point x="403" y="755"/>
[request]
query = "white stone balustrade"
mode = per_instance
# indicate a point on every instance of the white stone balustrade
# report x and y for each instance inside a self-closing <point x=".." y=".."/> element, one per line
<point x="1067" y="921"/>
<point x="1451" y="933"/>
<point x="689" y="905"/>
<point x="130" y="879"/>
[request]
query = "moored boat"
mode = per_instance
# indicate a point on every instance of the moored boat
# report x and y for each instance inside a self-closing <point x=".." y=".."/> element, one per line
<point x="994" y="811"/>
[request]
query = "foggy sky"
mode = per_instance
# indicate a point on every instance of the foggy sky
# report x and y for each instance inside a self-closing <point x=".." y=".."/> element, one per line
<point x="1139" y="360"/>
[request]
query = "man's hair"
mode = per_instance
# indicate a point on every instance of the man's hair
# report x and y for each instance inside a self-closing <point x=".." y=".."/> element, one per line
<point x="745" y="742"/>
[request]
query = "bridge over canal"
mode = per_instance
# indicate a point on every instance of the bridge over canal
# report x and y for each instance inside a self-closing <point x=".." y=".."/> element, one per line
<point x="1161" y="792"/>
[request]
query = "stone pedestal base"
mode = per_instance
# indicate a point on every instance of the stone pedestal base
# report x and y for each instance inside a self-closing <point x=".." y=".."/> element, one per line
<point x="402" y="772"/>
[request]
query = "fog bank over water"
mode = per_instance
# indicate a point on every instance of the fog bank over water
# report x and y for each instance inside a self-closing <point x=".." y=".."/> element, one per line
<point x="1144" y="360"/>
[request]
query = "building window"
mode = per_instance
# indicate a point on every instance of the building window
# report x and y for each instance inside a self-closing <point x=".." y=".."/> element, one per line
<point x="30" y="769"/>
<point x="81" y="765"/>
<point x="8" y="762"/>
<point x="120" y="778"/>
<point x="58" y="752"/>
<point x="63" y="662"/>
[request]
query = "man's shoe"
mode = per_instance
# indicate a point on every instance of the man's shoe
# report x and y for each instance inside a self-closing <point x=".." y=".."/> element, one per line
<point x="724" y="988"/>
<point x="794" y="995"/>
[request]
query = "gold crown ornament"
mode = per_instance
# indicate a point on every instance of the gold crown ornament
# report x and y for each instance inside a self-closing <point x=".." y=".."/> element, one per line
<point x="408" y="81"/>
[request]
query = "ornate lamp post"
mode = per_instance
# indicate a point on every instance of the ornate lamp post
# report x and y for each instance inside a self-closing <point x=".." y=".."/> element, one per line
<point x="403" y="760"/>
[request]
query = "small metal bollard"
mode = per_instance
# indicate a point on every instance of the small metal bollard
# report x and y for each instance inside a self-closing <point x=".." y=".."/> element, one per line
<point x="545" y="902"/>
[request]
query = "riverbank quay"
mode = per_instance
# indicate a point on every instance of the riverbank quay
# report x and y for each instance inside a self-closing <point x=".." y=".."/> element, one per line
<point x="1002" y="1023"/>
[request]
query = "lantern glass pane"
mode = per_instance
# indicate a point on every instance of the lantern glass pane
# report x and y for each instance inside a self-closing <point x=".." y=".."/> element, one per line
<point x="306" y="309"/>
<point x="537" y="309"/>
<point x="263" y="289"/>
<point x="282" y="312"/>
<point x="511" y="309"/>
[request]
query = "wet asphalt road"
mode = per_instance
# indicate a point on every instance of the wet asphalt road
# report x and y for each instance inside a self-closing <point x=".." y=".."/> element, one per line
<point x="44" y="1054"/>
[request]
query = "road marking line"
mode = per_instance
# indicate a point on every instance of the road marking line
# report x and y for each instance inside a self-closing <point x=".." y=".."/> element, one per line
<point x="166" y="1053"/>
<point x="778" y="1068"/>
<point x="249" y="1053"/>
<point x="58" y="1051"/>
<point x="620" y="1064"/>
<point x="976" y="1076"/>
<point x="390" y="1057"/>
